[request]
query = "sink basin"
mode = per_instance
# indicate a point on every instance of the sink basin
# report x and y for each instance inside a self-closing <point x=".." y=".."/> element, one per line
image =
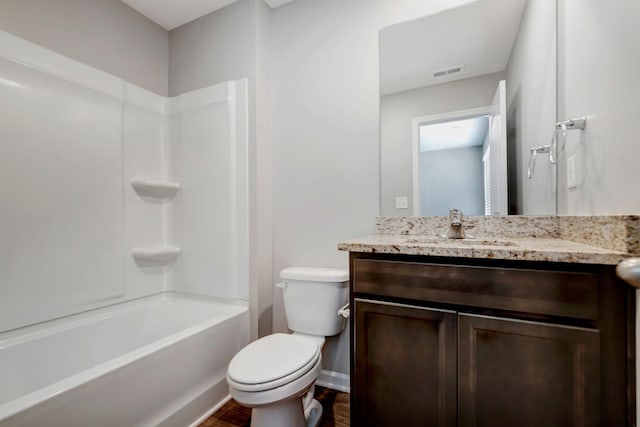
<point x="458" y="242"/>
<point x="472" y="242"/>
<point x="426" y="240"/>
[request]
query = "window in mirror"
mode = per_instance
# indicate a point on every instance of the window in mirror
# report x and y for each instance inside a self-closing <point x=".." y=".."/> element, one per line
<point x="454" y="152"/>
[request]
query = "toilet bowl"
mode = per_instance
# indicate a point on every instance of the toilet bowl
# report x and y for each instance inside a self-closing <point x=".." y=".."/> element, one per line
<point x="272" y="374"/>
<point x="275" y="375"/>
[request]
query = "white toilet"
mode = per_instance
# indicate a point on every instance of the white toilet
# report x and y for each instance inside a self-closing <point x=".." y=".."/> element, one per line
<point x="275" y="375"/>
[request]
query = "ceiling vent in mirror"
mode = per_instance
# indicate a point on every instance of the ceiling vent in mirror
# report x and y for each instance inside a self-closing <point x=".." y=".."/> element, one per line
<point x="447" y="71"/>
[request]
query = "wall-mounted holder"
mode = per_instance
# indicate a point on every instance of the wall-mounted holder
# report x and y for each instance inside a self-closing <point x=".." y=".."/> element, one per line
<point x="155" y="189"/>
<point x="561" y="129"/>
<point x="629" y="271"/>
<point x="533" y="153"/>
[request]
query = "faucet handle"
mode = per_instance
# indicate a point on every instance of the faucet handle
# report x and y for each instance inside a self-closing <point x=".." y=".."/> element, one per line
<point x="455" y="215"/>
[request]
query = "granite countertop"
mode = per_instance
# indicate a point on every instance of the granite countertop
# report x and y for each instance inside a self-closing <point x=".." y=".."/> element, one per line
<point x="530" y="249"/>
<point x="588" y="240"/>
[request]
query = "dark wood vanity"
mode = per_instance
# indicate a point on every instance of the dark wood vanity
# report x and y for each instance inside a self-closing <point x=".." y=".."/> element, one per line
<point x="445" y="341"/>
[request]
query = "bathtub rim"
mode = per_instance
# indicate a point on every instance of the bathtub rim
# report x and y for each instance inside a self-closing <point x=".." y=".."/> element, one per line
<point x="230" y="310"/>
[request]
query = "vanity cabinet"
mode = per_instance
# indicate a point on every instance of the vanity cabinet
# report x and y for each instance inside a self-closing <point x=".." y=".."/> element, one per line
<point x="465" y="342"/>
<point x="406" y="373"/>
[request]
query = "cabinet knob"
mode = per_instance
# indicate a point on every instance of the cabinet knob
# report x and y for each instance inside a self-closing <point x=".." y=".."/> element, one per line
<point x="629" y="271"/>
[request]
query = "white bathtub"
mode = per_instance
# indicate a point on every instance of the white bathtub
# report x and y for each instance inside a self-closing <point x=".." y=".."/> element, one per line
<point x="157" y="361"/>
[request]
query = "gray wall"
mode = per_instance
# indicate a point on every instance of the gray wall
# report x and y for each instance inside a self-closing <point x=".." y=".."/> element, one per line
<point x="263" y="175"/>
<point x="452" y="178"/>
<point x="531" y="100"/>
<point x="218" y="47"/>
<point x="396" y="112"/>
<point x="599" y="77"/>
<point x="106" y="34"/>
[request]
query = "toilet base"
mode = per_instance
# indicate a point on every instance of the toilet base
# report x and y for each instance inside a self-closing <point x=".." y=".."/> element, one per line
<point x="287" y="413"/>
<point x="301" y="412"/>
<point x="313" y="413"/>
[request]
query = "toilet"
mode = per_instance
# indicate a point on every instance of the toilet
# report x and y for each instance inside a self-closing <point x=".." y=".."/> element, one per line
<point x="275" y="375"/>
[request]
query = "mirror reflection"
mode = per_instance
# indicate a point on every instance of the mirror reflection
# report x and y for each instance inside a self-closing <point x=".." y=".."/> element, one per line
<point x="455" y="152"/>
<point x="465" y="93"/>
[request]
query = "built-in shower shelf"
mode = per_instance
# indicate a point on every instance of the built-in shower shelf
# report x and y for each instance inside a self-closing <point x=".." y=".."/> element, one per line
<point x="155" y="189"/>
<point x="156" y="254"/>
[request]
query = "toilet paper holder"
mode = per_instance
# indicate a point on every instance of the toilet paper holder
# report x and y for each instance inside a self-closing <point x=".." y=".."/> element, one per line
<point x="629" y="271"/>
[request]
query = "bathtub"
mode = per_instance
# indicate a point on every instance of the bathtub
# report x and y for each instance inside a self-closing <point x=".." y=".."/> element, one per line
<point x="156" y="361"/>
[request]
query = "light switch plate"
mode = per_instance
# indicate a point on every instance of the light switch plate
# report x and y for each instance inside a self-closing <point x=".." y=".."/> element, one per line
<point x="402" y="202"/>
<point x="572" y="181"/>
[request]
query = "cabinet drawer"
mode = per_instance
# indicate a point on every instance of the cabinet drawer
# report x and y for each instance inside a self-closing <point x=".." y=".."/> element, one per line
<point x="547" y="292"/>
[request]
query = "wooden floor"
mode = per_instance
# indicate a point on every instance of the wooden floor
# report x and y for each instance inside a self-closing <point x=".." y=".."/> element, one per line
<point x="335" y="411"/>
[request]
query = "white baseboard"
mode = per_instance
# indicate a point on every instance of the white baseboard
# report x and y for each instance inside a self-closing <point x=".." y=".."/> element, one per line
<point x="211" y="411"/>
<point x="334" y="380"/>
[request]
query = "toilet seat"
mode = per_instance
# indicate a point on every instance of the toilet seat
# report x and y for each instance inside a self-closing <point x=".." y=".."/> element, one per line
<point x="272" y="361"/>
<point x="295" y="389"/>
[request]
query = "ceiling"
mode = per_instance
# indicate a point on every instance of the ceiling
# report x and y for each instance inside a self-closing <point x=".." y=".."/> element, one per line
<point x="173" y="13"/>
<point x="454" y="134"/>
<point x="477" y="35"/>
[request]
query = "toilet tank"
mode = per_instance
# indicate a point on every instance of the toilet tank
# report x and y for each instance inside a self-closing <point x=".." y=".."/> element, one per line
<point x="312" y="298"/>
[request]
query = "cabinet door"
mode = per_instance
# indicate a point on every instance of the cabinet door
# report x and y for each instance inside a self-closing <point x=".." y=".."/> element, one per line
<point x="518" y="373"/>
<point x="405" y="366"/>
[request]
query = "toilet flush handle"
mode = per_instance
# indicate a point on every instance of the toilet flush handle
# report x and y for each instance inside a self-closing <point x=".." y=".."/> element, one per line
<point x="281" y="285"/>
<point x="345" y="311"/>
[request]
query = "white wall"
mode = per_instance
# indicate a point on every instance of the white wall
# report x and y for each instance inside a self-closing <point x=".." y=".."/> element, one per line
<point x="105" y="34"/>
<point x="396" y="112"/>
<point x="531" y="102"/>
<point x="325" y="131"/>
<point x="601" y="58"/>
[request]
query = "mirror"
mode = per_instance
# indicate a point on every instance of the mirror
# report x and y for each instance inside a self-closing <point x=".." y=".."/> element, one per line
<point x="464" y="95"/>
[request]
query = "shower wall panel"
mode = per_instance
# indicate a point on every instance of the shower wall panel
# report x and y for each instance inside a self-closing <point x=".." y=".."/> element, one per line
<point x="209" y="157"/>
<point x="61" y="207"/>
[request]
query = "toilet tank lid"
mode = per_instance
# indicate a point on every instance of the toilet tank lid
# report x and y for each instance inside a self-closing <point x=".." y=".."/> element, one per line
<point x="315" y="274"/>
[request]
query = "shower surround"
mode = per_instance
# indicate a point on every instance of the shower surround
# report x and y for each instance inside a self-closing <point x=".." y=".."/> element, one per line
<point x="114" y="200"/>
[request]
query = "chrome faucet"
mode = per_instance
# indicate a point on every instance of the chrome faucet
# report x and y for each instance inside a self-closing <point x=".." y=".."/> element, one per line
<point x="456" y="231"/>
